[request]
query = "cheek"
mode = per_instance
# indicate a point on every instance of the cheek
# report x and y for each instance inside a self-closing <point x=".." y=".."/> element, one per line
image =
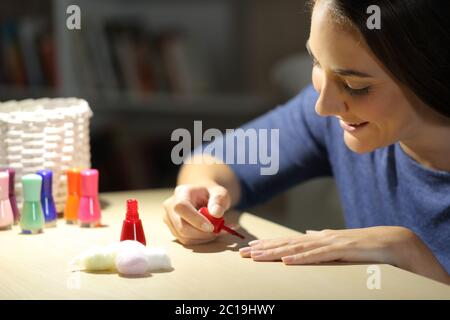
<point x="390" y="116"/>
<point x="380" y="108"/>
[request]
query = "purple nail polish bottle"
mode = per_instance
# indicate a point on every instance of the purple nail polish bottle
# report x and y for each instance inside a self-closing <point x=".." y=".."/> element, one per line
<point x="12" y="194"/>
<point x="47" y="202"/>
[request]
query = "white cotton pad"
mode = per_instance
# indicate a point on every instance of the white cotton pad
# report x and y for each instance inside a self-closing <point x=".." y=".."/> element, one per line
<point x="133" y="258"/>
<point x="128" y="245"/>
<point x="158" y="259"/>
<point x="130" y="258"/>
<point x="95" y="259"/>
<point x="132" y="262"/>
<point x="127" y="257"/>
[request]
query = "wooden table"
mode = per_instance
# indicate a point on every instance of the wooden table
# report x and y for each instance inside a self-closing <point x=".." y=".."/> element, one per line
<point x="35" y="266"/>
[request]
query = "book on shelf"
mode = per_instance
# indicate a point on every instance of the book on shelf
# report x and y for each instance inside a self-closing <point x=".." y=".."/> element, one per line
<point x="27" y="53"/>
<point x="132" y="57"/>
<point x="112" y="54"/>
<point x="11" y="55"/>
<point x="29" y="31"/>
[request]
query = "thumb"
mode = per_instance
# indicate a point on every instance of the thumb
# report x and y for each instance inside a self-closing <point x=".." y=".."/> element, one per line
<point x="219" y="201"/>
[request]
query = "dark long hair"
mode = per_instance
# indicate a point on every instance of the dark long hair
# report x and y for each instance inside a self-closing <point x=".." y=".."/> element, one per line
<point x="413" y="43"/>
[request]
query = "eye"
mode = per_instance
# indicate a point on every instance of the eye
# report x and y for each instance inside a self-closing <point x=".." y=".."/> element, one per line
<point x="356" y="92"/>
<point x="315" y="63"/>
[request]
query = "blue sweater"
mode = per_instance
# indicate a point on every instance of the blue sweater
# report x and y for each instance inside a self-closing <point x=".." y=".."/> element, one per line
<point x="381" y="188"/>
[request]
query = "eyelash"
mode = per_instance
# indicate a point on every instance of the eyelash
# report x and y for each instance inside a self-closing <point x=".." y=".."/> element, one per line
<point x="351" y="91"/>
<point x="356" y="92"/>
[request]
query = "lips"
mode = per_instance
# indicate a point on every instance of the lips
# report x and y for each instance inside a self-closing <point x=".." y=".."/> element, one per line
<point x="357" y="124"/>
<point x="352" y="126"/>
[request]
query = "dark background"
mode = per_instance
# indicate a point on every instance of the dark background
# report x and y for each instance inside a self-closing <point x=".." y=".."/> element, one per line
<point x="149" y="67"/>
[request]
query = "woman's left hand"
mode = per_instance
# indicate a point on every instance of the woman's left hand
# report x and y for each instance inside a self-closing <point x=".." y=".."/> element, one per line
<point x="374" y="244"/>
<point x="397" y="246"/>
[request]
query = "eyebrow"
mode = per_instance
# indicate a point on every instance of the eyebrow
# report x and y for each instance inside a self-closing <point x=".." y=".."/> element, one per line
<point x="339" y="71"/>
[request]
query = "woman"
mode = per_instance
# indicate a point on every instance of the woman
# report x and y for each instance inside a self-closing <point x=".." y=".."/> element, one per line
<point x="377" y="120"/>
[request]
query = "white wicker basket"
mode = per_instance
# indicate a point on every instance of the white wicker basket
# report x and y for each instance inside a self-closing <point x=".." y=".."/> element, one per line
<point x="45" y="133"/>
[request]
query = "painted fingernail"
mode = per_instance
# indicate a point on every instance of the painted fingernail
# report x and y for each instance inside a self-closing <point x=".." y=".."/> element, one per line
<point x="256" y="253"/>
<point x="207" y="227"/>
<point x="245" y="250"/>
<point x="254" y="242"/>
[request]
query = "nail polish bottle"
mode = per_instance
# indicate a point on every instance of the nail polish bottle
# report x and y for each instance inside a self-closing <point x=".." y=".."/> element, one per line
<point x="218" y="223"/>
<point x="89" y="214"/>
<point x="47" y="202"/>
<point x="12" y="194"/>
<point x="132" y="226"/>
<point x="6" y="213"/>
<point x="73" y="196"/>
<point x="32" y="219"/>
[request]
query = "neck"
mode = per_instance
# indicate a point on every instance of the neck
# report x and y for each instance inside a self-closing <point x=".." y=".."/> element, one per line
<point x="431" y="147"/>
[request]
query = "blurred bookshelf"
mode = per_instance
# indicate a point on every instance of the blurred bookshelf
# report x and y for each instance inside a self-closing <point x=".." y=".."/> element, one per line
<point x="146" y="67"/>
<point x="181" y="53"/>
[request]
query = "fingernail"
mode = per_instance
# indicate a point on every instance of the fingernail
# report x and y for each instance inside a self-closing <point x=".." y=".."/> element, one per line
<point x="245" y="250"/>
<point x="207" y="227"/>
<point x="253" y="243"/>
<point x="216" y="211"/>
<point x="287" y="260"/>
<point x="257" y="253"/>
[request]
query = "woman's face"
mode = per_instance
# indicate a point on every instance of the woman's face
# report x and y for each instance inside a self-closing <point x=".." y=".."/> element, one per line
<point x="353" y="86"/>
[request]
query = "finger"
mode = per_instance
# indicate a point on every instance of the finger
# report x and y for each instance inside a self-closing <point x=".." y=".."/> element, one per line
<point x="277" y="253"/>
<point x="245" y="252"/>
<point x="263" y="244"/>
<point x="311" y="231"/>
<point x="197" y="195"/>
<point x="172" y="229"/>
<point x="219" y="201"/>
<point x="184" y="240"/>
<point x="187" y="212"/>
<point x="186" y="230"/>
<point x="322" y="254"/>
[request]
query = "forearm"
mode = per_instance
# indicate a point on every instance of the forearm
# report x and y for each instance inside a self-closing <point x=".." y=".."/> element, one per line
<point x="209" y="170"/>
<point x="418" y="258"/>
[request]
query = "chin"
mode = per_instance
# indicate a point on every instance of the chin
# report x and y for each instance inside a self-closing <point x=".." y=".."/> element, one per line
<point x="357" y="145"/>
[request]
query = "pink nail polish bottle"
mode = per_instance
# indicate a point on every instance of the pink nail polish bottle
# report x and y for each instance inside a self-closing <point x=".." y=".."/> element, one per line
<point x="6" y="213"/>
<point x="89" y="214"/>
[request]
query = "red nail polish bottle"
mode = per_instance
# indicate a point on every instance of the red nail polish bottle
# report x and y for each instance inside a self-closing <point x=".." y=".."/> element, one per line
<point x="132" y="225"/>
<point x="218" y="223"/>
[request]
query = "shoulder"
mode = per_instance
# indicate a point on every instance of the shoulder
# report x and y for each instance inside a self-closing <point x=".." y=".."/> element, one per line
<point x="299" y="114"/>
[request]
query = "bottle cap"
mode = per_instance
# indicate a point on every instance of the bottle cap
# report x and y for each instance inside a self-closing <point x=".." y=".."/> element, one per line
<point x="218" y="223"/>
<point x="31" y="184"/>
<point x="12" y="175"/>
<point x="89" y="182"/>
<point x="74" y="181"/>
<point x="132" y="210"/>
<point x="46" y="182"/>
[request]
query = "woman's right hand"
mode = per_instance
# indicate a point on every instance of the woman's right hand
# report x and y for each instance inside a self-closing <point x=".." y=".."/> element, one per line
<point x="181" y="211"/>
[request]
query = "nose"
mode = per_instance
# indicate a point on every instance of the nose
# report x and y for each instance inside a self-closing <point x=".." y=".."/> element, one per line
<point x="330" y="102"/>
